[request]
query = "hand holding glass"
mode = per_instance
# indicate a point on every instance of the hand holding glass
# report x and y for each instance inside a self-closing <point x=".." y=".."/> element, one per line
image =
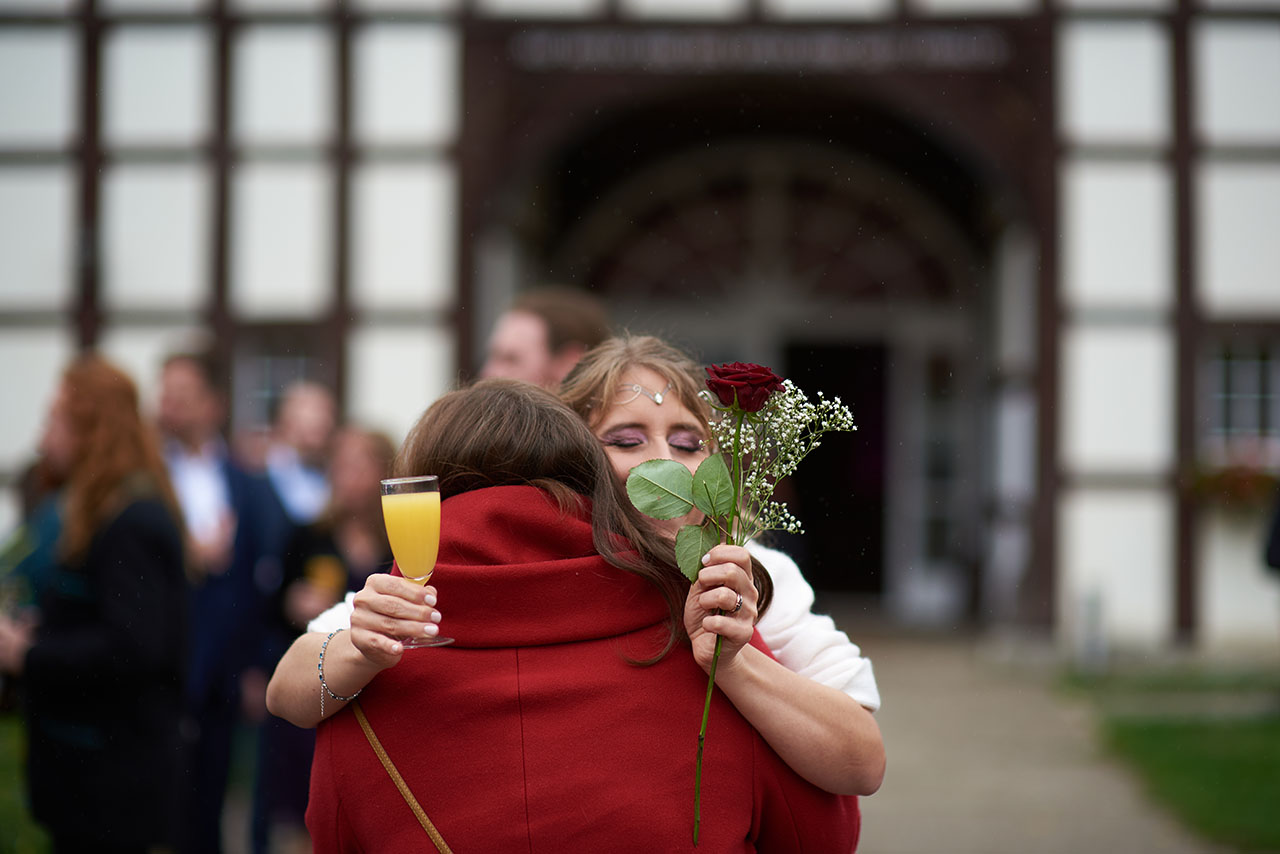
<point x="411" y="512"/>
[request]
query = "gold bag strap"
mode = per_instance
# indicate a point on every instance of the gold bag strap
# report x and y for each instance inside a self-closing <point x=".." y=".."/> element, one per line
<point x="441" y="845"/>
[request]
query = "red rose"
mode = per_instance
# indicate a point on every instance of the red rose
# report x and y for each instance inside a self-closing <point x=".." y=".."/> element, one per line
<point x="743" y="383"/>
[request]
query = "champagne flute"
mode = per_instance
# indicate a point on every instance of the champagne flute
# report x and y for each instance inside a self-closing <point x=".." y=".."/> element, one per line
<point x="411" y="512"/>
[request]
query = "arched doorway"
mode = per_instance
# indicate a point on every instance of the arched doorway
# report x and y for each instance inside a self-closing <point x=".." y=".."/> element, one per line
<point x="838" y="243"/>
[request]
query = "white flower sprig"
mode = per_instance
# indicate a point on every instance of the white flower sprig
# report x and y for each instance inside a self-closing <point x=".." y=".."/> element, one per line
<point x="773" y="443"/>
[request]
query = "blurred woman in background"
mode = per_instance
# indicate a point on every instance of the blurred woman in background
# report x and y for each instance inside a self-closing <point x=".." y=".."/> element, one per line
<point x="323" y="561"/>
<point x="102" y="670"/>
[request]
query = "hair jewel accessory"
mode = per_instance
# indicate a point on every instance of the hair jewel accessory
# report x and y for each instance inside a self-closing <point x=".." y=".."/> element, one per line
<point x="639" y="390"/>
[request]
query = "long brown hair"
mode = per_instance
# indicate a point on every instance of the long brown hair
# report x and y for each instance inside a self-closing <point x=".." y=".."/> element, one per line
<point x="592" y="385"/>
<point x="502" y="432"/>
<point x="115" y="452"/>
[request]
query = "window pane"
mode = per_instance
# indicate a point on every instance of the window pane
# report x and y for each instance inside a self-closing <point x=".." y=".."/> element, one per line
<point x="1238" y="250"/>
<point x="403" y="236"/>
<point x="1114" y="82"/>
<point x="35" y="237"/>
<point x="406" y="83"/>
<point x="1118" y="238"/>
<point x="1232" y="102"/>
<point x="281" y="233"/>
<point x="283" y="86"/>
<point x="157" y="86"/>
<point x="155" y="235"/>
<point x="1244" y="382"/>
<point x="37" y="86"/>
<point x="43" y="355"/>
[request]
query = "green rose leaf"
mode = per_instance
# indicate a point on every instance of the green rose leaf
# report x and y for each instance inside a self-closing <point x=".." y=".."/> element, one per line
<point x="662" y="489"/>
<point x="712" y="487"/>
<point x="692" y="542"/>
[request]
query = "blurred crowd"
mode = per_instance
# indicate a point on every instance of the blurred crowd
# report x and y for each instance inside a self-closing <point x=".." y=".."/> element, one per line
<point x="160" y="570"/>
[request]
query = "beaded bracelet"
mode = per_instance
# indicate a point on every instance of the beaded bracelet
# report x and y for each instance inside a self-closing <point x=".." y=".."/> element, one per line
<point x="325" y="685"/>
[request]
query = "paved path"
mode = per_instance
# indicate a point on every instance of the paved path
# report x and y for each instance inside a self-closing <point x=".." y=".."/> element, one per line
<point x="985" y="759"/>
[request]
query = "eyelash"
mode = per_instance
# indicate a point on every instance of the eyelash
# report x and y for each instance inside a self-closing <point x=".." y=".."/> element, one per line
<point x="627" y="444"/>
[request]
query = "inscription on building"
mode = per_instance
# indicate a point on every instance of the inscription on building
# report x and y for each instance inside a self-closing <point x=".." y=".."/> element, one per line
<point x="705" y="51"/>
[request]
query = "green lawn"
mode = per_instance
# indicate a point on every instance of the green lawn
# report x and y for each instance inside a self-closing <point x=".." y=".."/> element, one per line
<point x="1222" y="777"/>
<point x="1205" y="742"/>
<point x="20" y="835"/>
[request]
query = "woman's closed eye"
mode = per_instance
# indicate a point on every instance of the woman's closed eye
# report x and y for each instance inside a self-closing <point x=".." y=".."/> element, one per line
<point x="690" y="443"/>
<point x="627" y="438"/>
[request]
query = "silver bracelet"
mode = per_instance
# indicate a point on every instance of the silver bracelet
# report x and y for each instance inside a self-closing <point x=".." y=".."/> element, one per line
<point x="324" y="686"/>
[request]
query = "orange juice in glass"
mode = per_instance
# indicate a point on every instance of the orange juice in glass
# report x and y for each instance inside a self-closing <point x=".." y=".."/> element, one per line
<point x="411" y="512"/>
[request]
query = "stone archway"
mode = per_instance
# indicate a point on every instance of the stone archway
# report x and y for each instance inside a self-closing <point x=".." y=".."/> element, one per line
<point x="802" y="225"/>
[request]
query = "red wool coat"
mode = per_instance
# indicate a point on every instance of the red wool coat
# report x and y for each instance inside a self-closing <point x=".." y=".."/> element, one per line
<point x="534" y="732"/>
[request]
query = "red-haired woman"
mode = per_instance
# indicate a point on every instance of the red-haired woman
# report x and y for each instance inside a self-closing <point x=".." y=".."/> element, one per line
<point x="102" y="672"/>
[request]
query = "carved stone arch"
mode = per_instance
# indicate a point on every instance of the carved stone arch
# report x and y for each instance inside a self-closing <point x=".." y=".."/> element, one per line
<point x="814" y="218"/>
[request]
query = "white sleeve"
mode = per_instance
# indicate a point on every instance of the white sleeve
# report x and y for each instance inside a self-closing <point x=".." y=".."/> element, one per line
<point x="337" y="617"/>
<point x="809" y="643"/>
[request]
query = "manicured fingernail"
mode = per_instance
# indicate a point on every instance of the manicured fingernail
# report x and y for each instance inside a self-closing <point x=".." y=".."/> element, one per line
<point x="706" y="558"/>
<point x="435" y="616"/>
<point x="397" y="648"/>
<point x="431" y="630"/>
<point x="430" y="599"/>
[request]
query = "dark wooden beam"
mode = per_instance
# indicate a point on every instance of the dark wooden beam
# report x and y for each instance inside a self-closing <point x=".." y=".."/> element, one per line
<point x="1187" y="324"/>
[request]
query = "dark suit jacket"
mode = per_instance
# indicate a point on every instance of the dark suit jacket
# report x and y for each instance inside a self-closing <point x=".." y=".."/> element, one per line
<point x="227" y="608"/>
<point x="1273" y="539"/>
<point x="103" y="685"/>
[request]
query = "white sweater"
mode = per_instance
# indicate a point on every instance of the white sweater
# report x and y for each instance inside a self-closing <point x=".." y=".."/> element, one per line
<point x="809" y="643"/>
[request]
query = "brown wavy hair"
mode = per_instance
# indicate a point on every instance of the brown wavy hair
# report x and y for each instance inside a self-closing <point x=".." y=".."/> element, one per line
<point x="592" y="385"/>
<point x="116" y="456"/>
<point x="502" y="432"/>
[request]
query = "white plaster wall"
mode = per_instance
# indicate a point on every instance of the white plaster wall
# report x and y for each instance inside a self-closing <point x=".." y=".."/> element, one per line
<point x="37" y="209"/>
<point x="1113" y="82"/>
<point x="34" y="360"/>
<point x="403" y="219"/>
<point x="709" y="10"/>
<point x="280" y="234"/>
<point x="1239" y="596"/>
<point x="1236" y="221"/>
<point x="394" y="373"/>
<point x="1117" y="399"/>
<point x="140" y="350"/>
<point x="1117" y="235"/>
<point x="1116" y="549"/>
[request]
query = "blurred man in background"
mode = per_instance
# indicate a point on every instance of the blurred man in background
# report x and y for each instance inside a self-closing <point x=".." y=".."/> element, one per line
<point x="233" y="525"/>
<point x="297" y="460"/>
<point x="543" y="335"/>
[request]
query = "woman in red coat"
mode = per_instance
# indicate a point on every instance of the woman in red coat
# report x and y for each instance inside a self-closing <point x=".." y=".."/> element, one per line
<point x="557" y="721"/>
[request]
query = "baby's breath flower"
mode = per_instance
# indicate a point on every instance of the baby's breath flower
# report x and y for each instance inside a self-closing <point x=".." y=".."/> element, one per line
<point x="772" y="444"/>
